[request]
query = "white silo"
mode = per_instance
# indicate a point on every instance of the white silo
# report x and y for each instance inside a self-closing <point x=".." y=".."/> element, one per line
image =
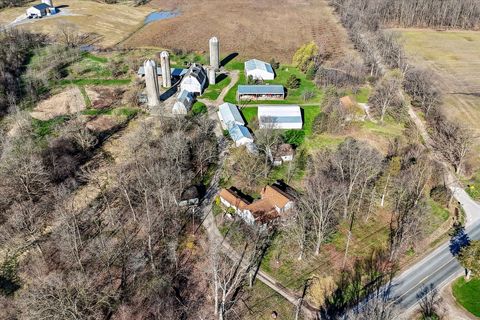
<point x="166" y="71"/>
<point x="214" y="53"/>
<point x="48" y="2"/>
<point x="151" y="81"/>
<point x="211" y="75"/>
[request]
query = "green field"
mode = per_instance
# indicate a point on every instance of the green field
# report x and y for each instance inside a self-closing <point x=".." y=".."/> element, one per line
<point x="468" y="294"/>
<point x="214" y="90"/>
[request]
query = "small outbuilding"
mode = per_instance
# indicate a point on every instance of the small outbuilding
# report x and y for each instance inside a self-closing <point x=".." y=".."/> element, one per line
<point x="229" y="116"/>
<point x="260" y="92"/>
<point x="281" y="153"/>
<point x="280" y="117"/>
<point x="195" y="80"/>
<point x="184" y="102"/>
<point x="240" y="135"/>
<point x="259" y="70"/>
<point x="189" y="197"/>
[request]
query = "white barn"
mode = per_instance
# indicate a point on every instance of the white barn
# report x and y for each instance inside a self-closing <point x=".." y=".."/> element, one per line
<point x="280" y="116"/>
<point x="40" y="10"/>
<point x="229" y="115"/>
<point x="240" y="135"/>
<point x="259" y="70"/>
<point x="184" y="102"/>
<point x="195" y="80"/>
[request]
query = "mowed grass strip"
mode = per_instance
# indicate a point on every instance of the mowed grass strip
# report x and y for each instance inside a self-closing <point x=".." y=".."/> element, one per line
<point x="467" y="294"/>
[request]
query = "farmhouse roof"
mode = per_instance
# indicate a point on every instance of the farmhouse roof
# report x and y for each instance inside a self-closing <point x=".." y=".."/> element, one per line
<point x="255" y="64"/>
<point x="261" y="89"/>
<point x="276" y="196"/>
<point x="233" y="198"/>
<point x="238" y="132"/>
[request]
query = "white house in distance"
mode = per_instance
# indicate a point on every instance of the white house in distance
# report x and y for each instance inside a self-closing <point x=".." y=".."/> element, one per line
<point x="195" y="80"/>
<point x="42" y="9"/>
<point x="184" y="102"/>
<point x="280" y="117"/>
<point x="229" y="115"/>
<point x="259" y="70"/>
<point x="240" y="135"/>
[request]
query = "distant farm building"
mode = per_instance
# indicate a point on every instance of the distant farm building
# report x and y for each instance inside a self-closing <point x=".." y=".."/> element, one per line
<point x="229" y="116"/>
<point x="184" y="102"/>
<point x="260" y="92"/>
<point x="259" y="70"/>
<point x="240" y="135"/>
<point x="41" y="10"/>
<point x="280" y="117"/>
<point x="195" y="80"/>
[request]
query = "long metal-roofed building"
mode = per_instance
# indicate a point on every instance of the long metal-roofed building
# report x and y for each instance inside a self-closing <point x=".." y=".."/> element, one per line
<point x="280" y="117"/>
<point x="260" y="92"/>
<point x="229" y="116"/>
<point x="240" y="135"/>
<point x="259" y="70"/>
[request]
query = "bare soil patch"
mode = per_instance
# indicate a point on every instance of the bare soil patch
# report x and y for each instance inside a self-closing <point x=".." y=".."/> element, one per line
<point x="453" y="55"/>
<point x="263" y="29"/>
<point x="67" y="102"/>
<point x="103" y="97"/>
<point x="103" y="123"/>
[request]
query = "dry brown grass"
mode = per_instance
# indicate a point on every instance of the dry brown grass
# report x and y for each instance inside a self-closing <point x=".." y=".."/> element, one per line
<point x="69" y="101"/>
<point x="112" y="22"/>
<point x="454" y="56"/>
<point x="262" y="29"/>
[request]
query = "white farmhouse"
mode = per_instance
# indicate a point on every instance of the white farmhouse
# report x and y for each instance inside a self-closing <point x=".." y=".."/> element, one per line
<point x="195" y="80"/>
<point x="259" y="70"/>
<point x="229" y="116"/>
<point x="184" y="102"/>
<point x="280" y="117"/>
<point x="240" y="135"/>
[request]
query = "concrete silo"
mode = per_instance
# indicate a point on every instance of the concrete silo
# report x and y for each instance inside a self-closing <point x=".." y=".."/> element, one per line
<point x="166" y="71"/>
<point x="211" y="75"/>
<point x="151" y="81"/>
<point x="214" y="53"/>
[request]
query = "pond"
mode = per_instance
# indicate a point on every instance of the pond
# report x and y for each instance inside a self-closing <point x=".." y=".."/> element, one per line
<point x="161" y="15"/>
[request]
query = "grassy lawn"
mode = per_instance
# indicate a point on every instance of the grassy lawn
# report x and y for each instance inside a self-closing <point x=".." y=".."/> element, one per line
<point x="390" y="128"/>
<point x="294" y="96"/>
<point x="468" y="294"/>
<point x="214" y="90"/>
<point x="199" y="107"/>
<point x="473" y="186"/>
<point x="363" y="94"/>
<point x="309" y="115"/>
<point x="262" y="301"/>
<point x="438" y="215"/>
<point x="249" y="113"/>
<point x="45" y="128"/>
<point x="322" y="141"/>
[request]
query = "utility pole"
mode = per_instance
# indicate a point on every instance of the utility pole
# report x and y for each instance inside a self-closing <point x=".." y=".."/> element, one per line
<point x="304" y="293"/>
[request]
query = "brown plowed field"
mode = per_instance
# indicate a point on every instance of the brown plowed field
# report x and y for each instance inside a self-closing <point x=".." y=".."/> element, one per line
<point x="253" y="28"/>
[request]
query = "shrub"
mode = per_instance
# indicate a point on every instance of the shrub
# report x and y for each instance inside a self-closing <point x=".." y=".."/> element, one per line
<point x="199" y="108"/>
<point x="295" y="137"/>
<point x="293" y="82"/>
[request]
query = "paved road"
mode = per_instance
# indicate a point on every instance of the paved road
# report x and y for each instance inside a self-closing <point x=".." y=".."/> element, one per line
<point x="437" y="270"/>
